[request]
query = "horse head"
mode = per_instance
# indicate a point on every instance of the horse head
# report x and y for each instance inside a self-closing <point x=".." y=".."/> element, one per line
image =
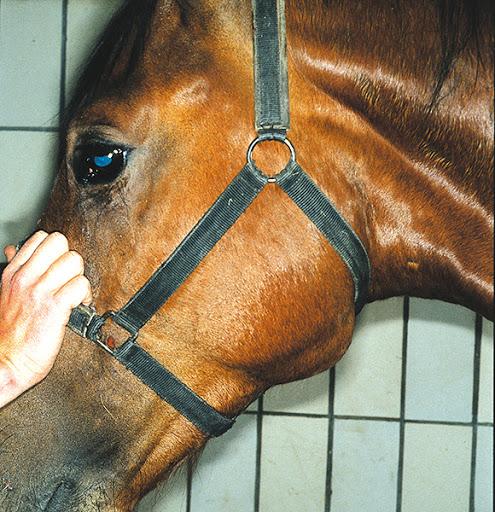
<point x="158" y="127"/>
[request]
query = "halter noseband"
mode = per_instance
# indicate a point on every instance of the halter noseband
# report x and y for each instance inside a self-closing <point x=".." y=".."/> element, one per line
<point x="272" y="123"/>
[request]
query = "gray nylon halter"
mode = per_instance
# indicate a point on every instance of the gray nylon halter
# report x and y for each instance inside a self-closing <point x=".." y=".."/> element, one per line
<point x="272" y="123"/>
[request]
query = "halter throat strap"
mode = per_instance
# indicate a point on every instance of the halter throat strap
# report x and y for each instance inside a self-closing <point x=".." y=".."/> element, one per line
<point x="272" y="123"/>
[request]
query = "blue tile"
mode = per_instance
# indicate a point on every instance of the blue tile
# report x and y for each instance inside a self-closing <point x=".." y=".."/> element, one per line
<point x="439" y="361"/>
<point x="365" y="460"/>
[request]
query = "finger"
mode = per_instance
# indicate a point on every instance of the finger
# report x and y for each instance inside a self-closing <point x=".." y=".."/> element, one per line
<point x="88" y="299"/>
<point x="9" y="252"/>
<point x="68" y="266"/>
<point x="50" y="249"/>
<point x="77" y="291"/>
<point x="26" y="251"/>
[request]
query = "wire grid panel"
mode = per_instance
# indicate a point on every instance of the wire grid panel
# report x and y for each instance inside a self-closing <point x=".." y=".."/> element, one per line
<point x="404" y="422"/>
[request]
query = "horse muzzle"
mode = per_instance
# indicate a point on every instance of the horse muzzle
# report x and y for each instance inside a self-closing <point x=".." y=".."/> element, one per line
<point x="64" y="495"/>
<point x="60" y="497"/>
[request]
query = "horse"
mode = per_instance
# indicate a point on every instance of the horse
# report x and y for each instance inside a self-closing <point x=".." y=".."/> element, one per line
<point x="396" y="129"/>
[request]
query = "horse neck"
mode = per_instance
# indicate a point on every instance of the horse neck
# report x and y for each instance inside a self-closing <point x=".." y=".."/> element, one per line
<point x="427" y="179"/>
<point x="430" y="236"/>
<point x="420" y="149"/>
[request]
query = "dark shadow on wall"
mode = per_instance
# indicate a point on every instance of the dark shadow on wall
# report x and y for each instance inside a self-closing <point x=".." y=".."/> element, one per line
<point x="18" y="229"/>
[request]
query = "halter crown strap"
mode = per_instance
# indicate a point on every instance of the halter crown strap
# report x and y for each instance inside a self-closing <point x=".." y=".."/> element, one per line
<point x="272" y="123"/>
<point x="271" y="88"/>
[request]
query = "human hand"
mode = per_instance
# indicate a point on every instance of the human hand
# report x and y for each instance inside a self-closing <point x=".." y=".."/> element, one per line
<point x="41" y="284"/>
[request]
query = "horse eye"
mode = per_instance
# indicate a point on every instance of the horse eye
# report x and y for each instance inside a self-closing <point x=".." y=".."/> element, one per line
<point x="97" y="164"/>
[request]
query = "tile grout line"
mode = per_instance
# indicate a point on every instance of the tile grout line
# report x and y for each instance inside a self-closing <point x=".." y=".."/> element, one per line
<point x="402" y="419"/>
<point x="476" y="396"/>
<point x="330" y="440"/>
<point x="259" y="435"/>
<point x="63" y="59"/>
<point x="441" y="422"/>
<point x="388" y="419"/>
<point x="29" y="129"/>
<point x="189" y="485"/>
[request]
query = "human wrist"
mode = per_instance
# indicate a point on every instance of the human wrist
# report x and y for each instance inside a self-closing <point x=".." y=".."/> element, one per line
<point x="20" y="370"/>
<point x="10" y="386"/>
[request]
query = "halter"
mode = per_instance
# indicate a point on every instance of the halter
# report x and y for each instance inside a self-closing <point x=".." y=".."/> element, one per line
<point x="272" y="123"/>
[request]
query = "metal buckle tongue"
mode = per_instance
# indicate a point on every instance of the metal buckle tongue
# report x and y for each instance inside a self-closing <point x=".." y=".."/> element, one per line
<point x="108" y="333"/>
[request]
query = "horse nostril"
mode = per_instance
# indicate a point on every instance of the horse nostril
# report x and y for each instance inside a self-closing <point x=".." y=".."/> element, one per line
<point x="61" y="496"/>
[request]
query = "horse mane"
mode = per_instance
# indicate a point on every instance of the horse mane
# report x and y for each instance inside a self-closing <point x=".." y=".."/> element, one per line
<point x="459" y="23"/>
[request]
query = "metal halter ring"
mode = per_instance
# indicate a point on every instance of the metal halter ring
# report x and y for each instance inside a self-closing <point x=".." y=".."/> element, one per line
<point x="271" y="136"/>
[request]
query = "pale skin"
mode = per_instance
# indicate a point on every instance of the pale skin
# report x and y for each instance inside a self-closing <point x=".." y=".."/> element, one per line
<point x="41" y="284"/>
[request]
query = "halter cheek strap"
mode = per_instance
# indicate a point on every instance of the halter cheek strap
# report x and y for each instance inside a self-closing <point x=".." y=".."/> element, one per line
<point x="272" y="123"/>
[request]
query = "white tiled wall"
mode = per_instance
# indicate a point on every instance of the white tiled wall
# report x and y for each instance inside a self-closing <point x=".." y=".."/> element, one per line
<point x="368" y="385"/>
<point x="232" y="461"/>
<point x="440" y="385"/>
<point x="485" y="410"/>
<point x="30" y="77"/>
<point x="484" y="470"/>
<point x="436" y="468"/>
<point x="365" y="443"/>
<point x="293" y="463"/>
<point x="365" y="465"/>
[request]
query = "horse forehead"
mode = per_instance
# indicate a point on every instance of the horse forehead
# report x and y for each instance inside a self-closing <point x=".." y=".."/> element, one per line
<point x="194" y="90"/>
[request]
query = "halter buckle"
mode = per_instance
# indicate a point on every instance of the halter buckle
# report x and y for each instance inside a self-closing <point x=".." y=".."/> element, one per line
<point x="110" y="335"/>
